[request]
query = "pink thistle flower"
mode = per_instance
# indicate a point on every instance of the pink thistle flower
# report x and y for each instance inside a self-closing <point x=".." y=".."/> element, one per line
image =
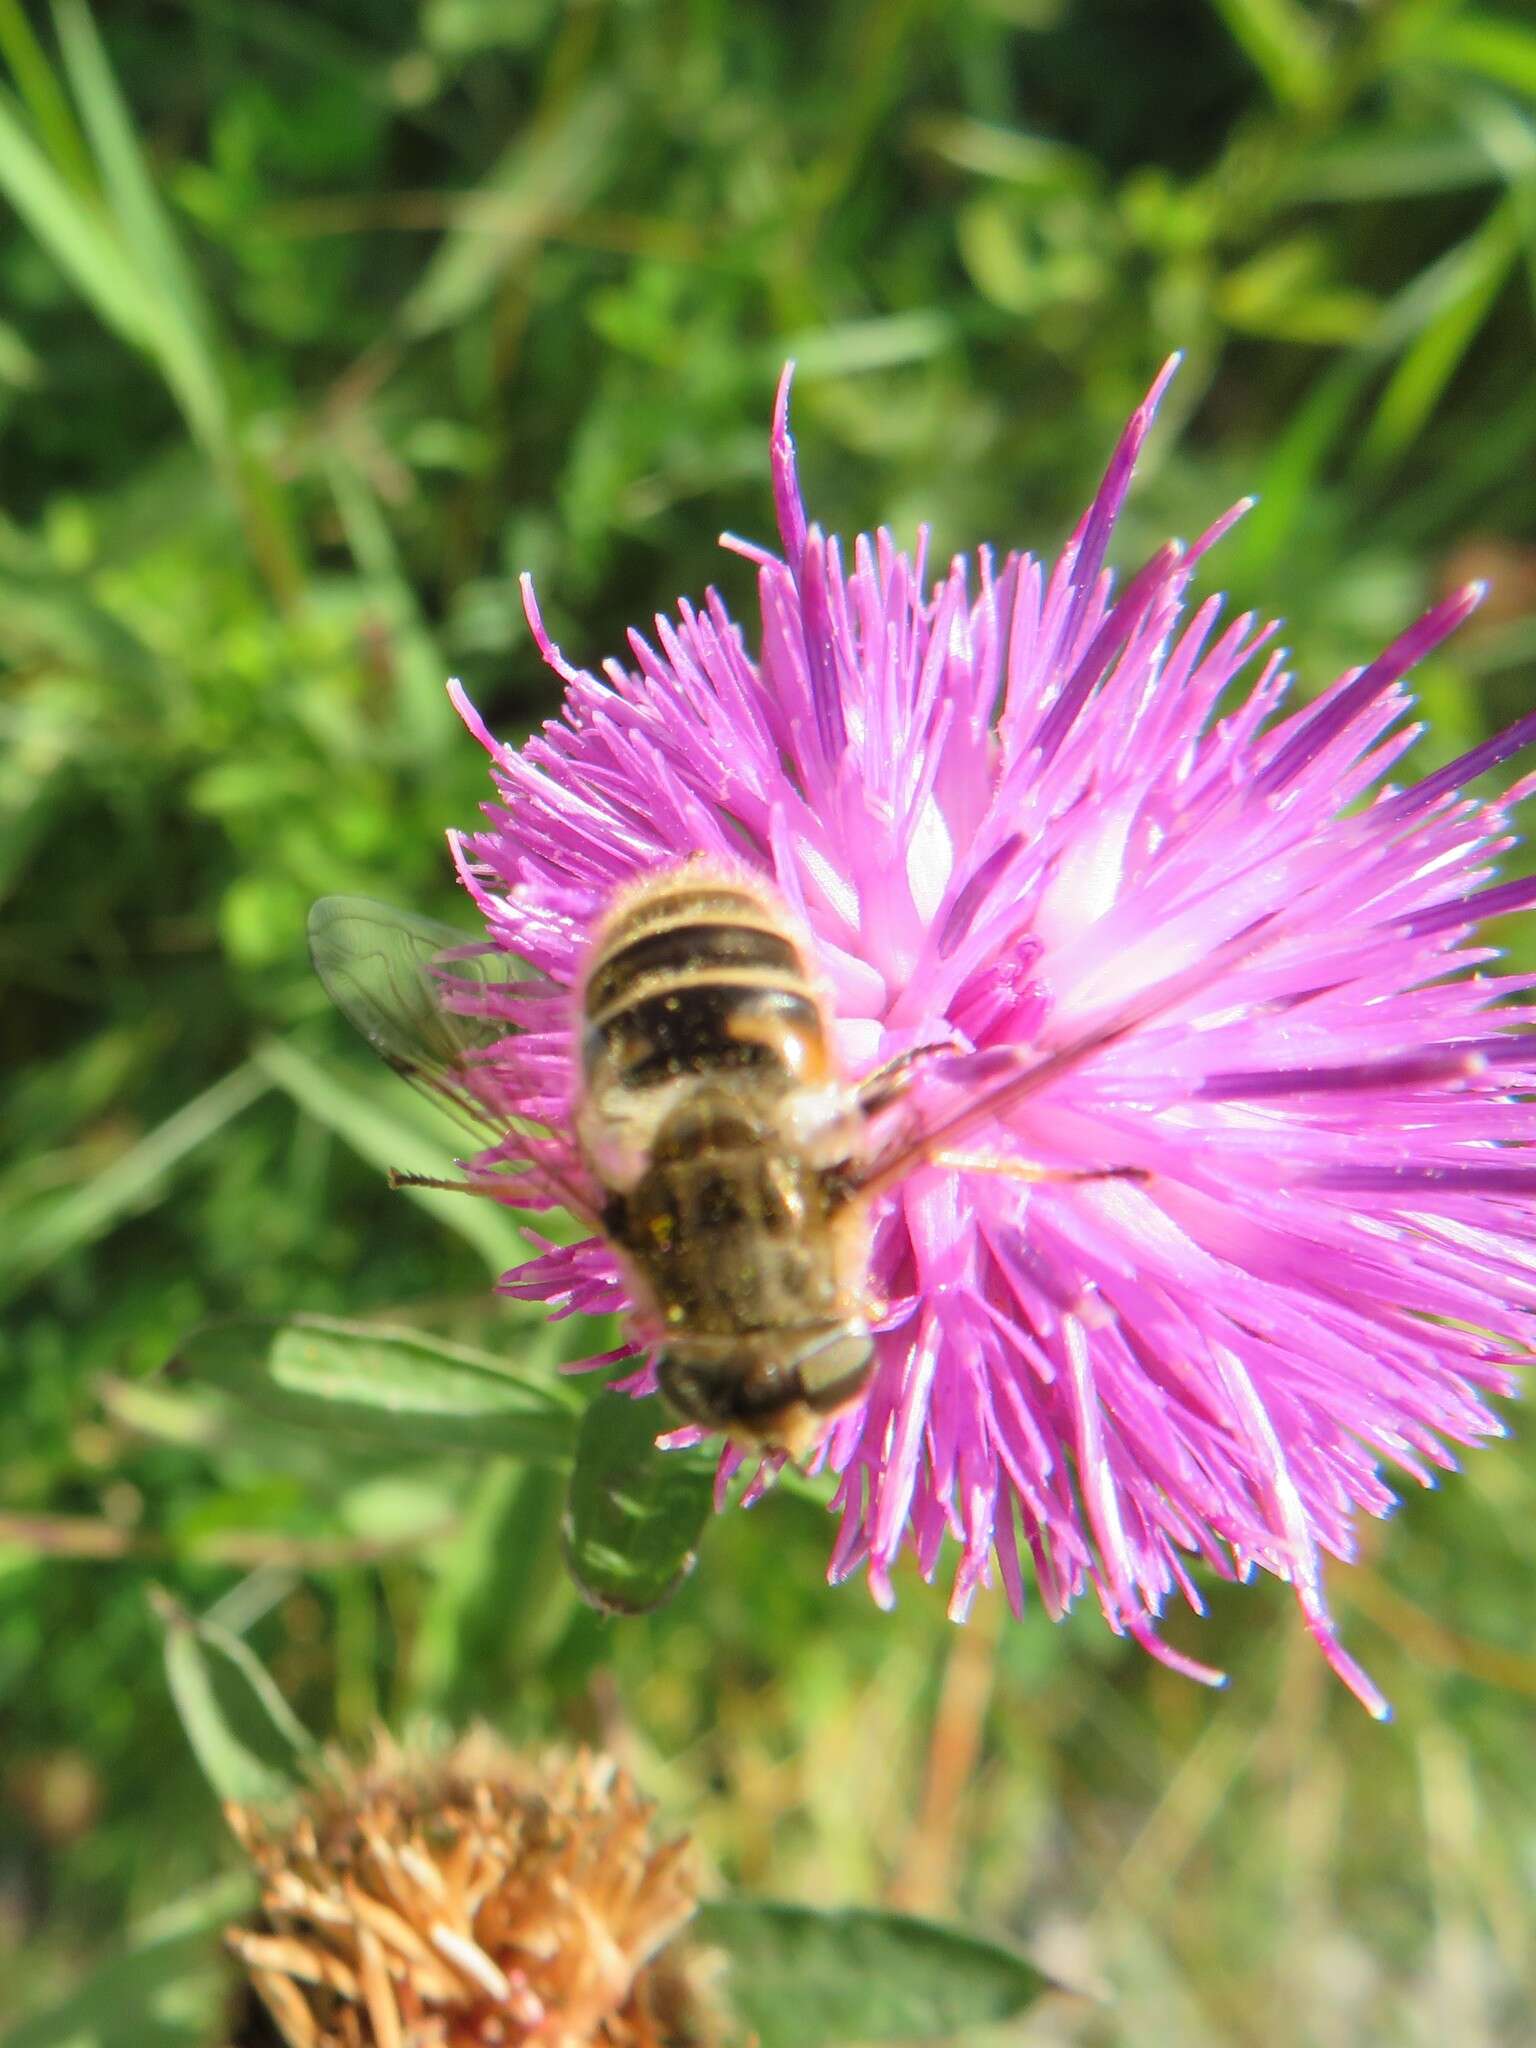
<point x="1009" y="806"/>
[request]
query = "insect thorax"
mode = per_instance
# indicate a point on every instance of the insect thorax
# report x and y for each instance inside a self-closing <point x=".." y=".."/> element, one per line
<point x="695" y="980"/>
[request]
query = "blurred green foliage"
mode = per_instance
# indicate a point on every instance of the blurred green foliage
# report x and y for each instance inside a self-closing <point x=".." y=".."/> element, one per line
<point x="317" y="324"/>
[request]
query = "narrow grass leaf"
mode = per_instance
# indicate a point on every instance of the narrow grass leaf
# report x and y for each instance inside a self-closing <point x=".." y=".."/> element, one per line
<point x="74" y="232"/>
<point x="1011" y="156"/>
<point x="426" y="724"/>
<point x="1285" y="45"/>
<point x="395" y="1388"/>
<point x="390" y="1137"/>
<point x="1361" y="163"/>
<point x="468" y="1640"/>
<point x="634" y="1514"/>
<point x="1506" y="133"/>
<point x="178" y="312"/>
<point x="1504" y="52"/>
<point x="236" y="1651"/>
<point x="1288" y="478"/>
<point x="1469" y="287"/>
<point x="855" y="346"/>
<point x="131" y="1182"/>
<point x="799" y="1978"/>
<point x="43" y="95"/>
<point x="552" y="169"/>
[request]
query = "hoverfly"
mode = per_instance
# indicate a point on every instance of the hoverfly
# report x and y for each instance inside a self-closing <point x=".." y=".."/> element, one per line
<point x="732" y="1164"/>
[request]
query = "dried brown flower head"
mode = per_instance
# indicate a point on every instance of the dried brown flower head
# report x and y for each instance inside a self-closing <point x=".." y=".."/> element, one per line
<point x="471" y="1898"/>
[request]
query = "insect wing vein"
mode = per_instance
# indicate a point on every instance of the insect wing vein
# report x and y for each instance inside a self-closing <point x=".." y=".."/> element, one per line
<point x="390" y="973"/>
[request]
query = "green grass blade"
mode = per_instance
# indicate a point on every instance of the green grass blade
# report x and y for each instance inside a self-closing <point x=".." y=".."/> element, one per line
<point x="1286" y="47"/>
<point x="394" y="1138"/>
<point x="236" y="1651"/>
<point x="1286" y="483"/>
<point x="1503" y="52"/>
<point x="44" y="97"/>
<point x="158" y="1988"/>
<point x="1347" y="166"/>
<point x="1506" y="133"/>
<point x="548" y="173"/>
<point x="93" y="252"/>
<point x="467" y="1633"/>
<point x="231" y="1766"/>
<point x="73" y="230"/>
<point x="1469" y="288"/>
<point x="427" y="726"/>
<point x="131" y="1182"/>
<point x="180" y="319"/>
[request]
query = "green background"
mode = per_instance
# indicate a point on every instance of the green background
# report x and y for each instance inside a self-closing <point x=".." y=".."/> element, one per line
<point x="317" y="324"/>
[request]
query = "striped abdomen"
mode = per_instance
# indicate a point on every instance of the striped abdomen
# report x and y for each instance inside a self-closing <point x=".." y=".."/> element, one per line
<point x="707" y="1119"/>
<point x="694" y="974"/>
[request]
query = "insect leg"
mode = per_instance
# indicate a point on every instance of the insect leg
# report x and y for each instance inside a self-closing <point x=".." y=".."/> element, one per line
<point x="886" y="1084"/>
<point x="1024" y="1169"/>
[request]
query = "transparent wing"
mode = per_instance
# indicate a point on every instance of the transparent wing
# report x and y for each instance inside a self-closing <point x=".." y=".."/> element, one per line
<point x="391" y="974"/>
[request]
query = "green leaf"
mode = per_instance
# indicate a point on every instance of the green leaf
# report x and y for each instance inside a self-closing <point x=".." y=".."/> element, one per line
<point x="469" y="1642"/>
<point x="1383" y="163"/>
<point x="547" y="174"/>
<point x="1469" y="283"/>
<point x="853" y="347"/>
<point x="182" y="323"/>
<point x="1286" y="290"/>
<point x="800" y="1978"/>
<point x="44" y="96"/>
<point x="398" y="1388"/>
<point x="426" y="721"/>
<point x="231" y="1766"/>
<point x="389" y="1129"/>
<point x="1012" y="156"/>
<point x="634" y="1514"/>
<point x="133" y="1181"/>
<point x="1503" y="51"/>
<point x="117" y="245"/>
<point x="1287" y="485"/>
<point x="73" y="230"/>
<point x="1285" y="45"/>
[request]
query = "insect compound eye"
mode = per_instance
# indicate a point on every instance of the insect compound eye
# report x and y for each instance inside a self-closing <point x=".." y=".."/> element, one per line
<point x="836" y="1371"/>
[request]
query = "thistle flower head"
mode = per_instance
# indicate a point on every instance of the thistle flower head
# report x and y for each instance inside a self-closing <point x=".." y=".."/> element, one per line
<point x="1042" y="811"/>
<point x="465" y="1900"/>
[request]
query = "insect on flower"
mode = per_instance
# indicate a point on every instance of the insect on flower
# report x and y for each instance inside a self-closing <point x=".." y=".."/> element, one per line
<point x="1108" y="1050"/>
<point x="737" y="1164"/>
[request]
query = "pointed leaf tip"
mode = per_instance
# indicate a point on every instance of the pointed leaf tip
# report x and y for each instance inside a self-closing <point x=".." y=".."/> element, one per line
<point x="231" y="1766"/>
